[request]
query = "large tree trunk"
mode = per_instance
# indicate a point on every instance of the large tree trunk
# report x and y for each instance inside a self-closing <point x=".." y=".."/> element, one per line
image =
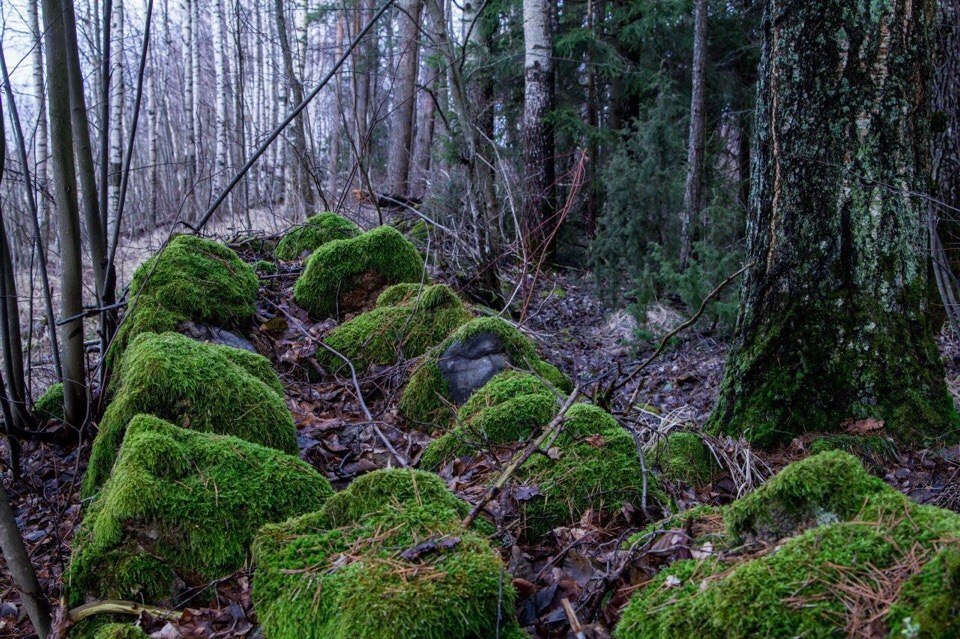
<point x="68" y="211"/>
<point x="404" y="98"/>
<point x="693" y="199"/>
<point x="833" y="324"/>
<point x="539" y="207"/>
<point x="946" y="129"/>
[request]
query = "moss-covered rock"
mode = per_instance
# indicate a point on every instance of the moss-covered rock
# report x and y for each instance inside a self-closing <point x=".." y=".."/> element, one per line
<point x="507" y="409"/>
<point x="385" y="557"/>
<point x="191" y="279"/>
<point x="347" y="275"/>
<point x="869" y="449"/>
<point x="426" y="399"/>
<point x="408" y="320"/>
<point x="50" y="404"/>
<point x="202" y="387"/>
<point x="684" y="457"/>
<point x="99" y="628"/>
<point x="183" y="504"/>
<point x="819" y="583"/>
<point x="314" y="233"/>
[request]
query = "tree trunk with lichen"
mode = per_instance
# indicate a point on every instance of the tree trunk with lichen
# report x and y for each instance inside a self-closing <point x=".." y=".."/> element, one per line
<point x="833" y="325"/>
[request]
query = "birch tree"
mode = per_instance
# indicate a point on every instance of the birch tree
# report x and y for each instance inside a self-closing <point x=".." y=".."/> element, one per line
<point x="694" y="199"/>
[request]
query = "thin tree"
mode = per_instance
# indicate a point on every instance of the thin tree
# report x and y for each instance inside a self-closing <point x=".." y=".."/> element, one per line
<point x="694" y="198"/>
<point x="404" y="95"/>
<point x="833" y="326"/>
<point x="21" y="569"/>
<point x="298" y="153"/>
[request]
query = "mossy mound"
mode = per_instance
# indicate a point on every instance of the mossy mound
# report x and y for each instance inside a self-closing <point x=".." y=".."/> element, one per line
<point x="50" y="404"/>
<point x="836" y="579"/>
<point x="383" y="558"/>
<point x="191" y="279"/>
<point x="684" y="457"/>
<point x="344" y="275"/>
<point x="426" y="398"/>
<point x="507" y="409"/>
<point x="868" y="448"/>
<point x="183" y="504"/>
<point x="408" y="320"/>
<point x="202" y="387"/>
<point x="314" y="233"/>
<point x="97" y="628"/>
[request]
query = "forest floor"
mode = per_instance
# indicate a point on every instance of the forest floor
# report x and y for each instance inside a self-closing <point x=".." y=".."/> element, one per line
<point x="584" y="564"/>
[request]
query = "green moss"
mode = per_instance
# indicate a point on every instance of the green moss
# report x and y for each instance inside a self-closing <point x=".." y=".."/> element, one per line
<point x="929" y="603"/>
<point x="50" y="404"/>
<point x="183" y="504"/>
<point x="425" y="399"/>
<point x="826" y="487"/>
<point x="684" y="457"/>
<point x="507" y="409"/>
<point x="869" y="449"/>
<point x="265" y="267"/>
<point x="314" y="233"/>
<point x="191" y="279"/>
<point x="808" y="585"/>
<point x="342" y="572"/>
<point x="199" y="386"/>
<point x="705" y="523"/>
<point x="101" y="627"/>
<point x="335" y="270"/>
<point x="408" y="320"/>
<point x="593" y="464"/>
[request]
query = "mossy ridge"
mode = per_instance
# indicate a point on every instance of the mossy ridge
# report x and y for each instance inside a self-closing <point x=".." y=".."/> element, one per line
<point x="193" y="279"/>
<point x="97" y="628"/>
<point x="795" y="589"/>
<point x="183" y="503"/>
<point x="335" y="268"/>
<point x="314" y="233"/>
<point x="506" y="409"/>
<point x="408" y="320"/>
<point x="685" y="457"/>
<point x="425" y="398"/>
<point x="339" y="573"/>
<point x="202" y="387"/>
<point x="873" y="450"/>
<point x="50" y="404"/>
<point x="929" y="602"/>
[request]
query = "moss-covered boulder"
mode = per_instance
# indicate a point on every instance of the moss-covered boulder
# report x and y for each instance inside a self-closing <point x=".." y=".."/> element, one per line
<point x="50" y="404"/>
<point x="489" y="345"/>
<point x="506" y="410"/>
<point x="684" y="457"/>
<point x="203" y="387"/>
<point x="102" y="627"/>
<point x="191" y="279"/>
<point x="183" y="505"/>
<point x="345" y="276"/>
<point x="385" y="557"/>
<point x="408" y="320"/>
<point x="874" y="565"/>
<point x="314" y="233"/>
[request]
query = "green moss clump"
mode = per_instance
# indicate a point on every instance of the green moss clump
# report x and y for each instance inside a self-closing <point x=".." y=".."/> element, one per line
<point x="314" y="233"/>
<point x="827" y="487"/>
<point x="806" y="585"/>
<point x="408" y="320"/>
<point x="265" y="267"/>
<point x="353" y="569"/>
<point x="50" y="404"/>
<point x="684" y="457"/>
<point x="98" y="628"/>
<point x="593" y="464"/>
<point x="202" y="387"/>
<point x="425" y="399"/>
<point x="191" y="279"/>
<point x="869" y="449"/>
<point x="507" y="409"/>
<point x="338" y="268"/>
<point x="185" y="504"/>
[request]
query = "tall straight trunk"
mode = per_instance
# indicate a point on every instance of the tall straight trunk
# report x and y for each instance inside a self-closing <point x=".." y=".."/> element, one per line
<point x="195" y="94"/>
<point x="833" y="324"/>
<point x="539" y="196"/>
<point x="404" y="97"/>
<point x="333" y="115"/>
<point x="40" y="144"/>
<point x="694" y="199"/>
<point x="946" y="129"/>
<point x="190" y="152"/>
<point x="117" y="92"/>
<point x="68" y="213"/>
<point x="239" y="104"/>
<point x="220" y="98"/>
<point x="299" y="154"/>
<point x="426" y="117"/>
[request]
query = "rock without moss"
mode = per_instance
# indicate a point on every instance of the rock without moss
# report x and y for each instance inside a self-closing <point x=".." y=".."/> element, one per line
<point x="191" y="279"/>
<point x="345" y="276"/>
<point x="384" y="558"/>
<point x="408" y="320"/>
<point x="183" y="505"/>
<point x="202" y="387"/>
<point x="314" y="233"/>
<point x="427" y="398"/>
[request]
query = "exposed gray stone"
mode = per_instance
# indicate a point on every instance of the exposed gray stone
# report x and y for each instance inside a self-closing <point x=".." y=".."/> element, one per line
<point x="215" y="335"/>
<point x="466" y="366"/>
